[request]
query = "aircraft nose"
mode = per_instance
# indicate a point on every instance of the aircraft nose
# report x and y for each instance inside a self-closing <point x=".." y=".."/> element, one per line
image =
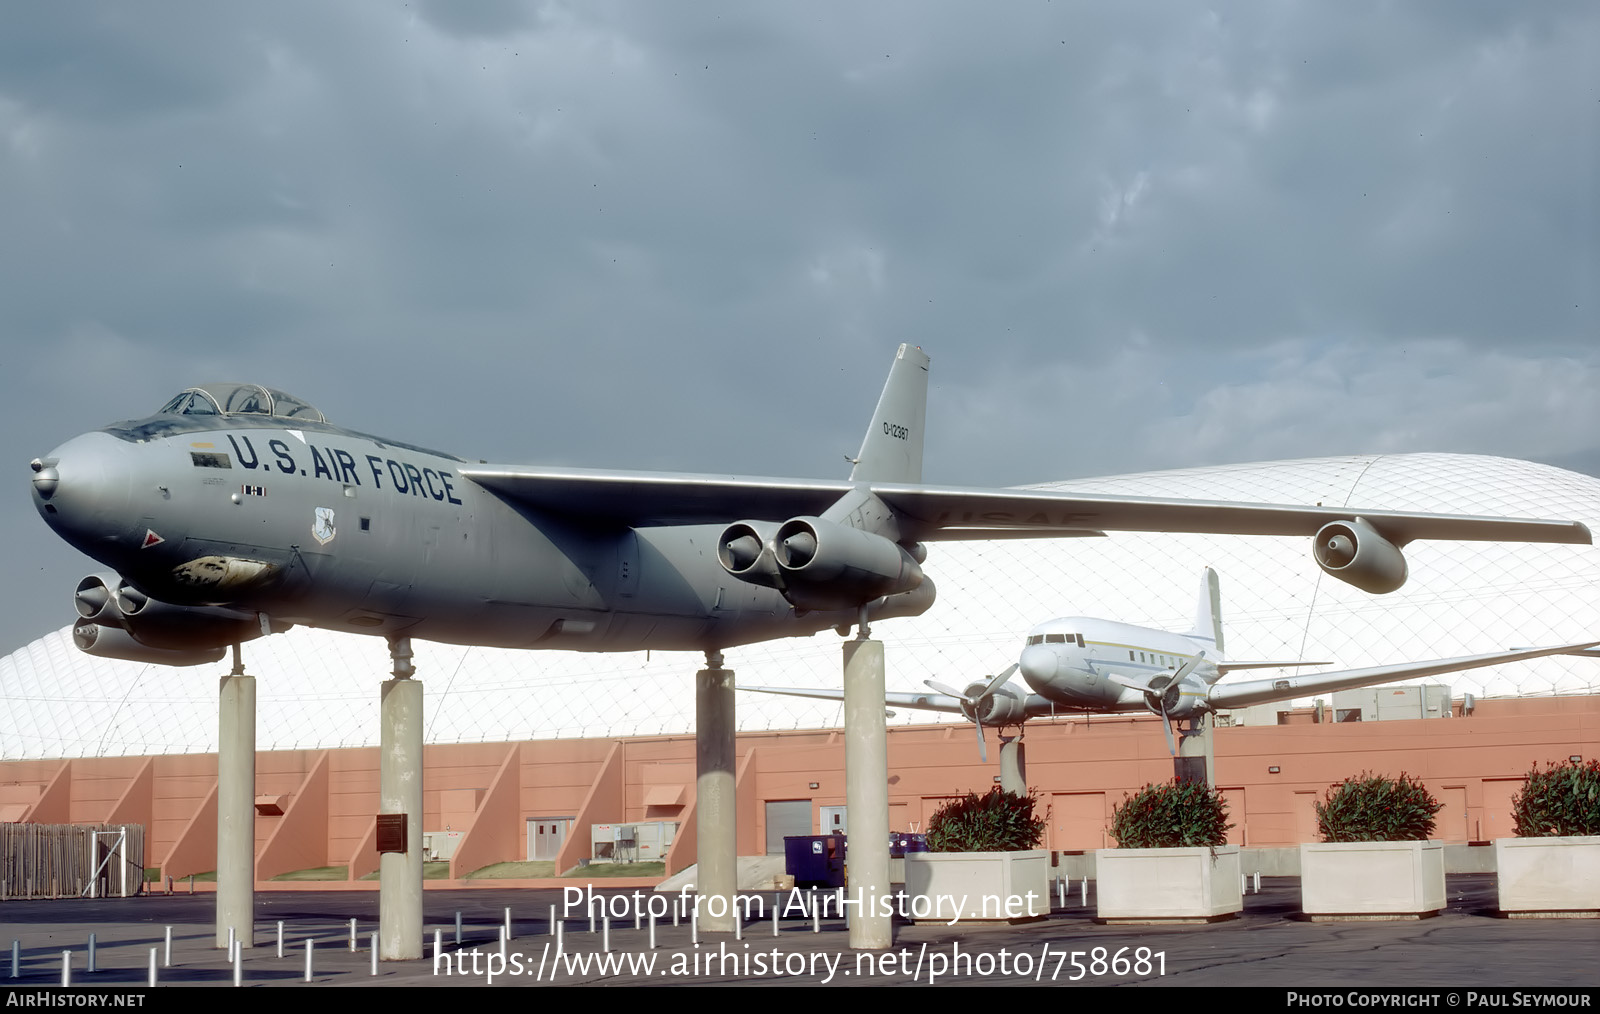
<point x="1038" y="663"/>
<point x="82" y="489"/>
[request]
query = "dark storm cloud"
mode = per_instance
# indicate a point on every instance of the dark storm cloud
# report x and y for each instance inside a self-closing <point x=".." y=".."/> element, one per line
<point x="651" y="235"/>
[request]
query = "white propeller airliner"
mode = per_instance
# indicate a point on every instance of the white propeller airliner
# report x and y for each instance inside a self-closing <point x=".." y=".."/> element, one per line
<point x="1080" y="664"/>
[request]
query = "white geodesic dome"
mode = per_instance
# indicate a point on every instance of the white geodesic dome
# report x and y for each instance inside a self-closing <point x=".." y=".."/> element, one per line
<point x="317" y="689"/>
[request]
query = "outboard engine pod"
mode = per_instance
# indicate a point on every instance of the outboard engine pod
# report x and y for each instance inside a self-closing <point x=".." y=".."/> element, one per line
<point x="1355" y="553"/>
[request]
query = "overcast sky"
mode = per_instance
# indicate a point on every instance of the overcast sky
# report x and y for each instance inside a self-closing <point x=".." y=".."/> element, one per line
<point x="689" y="236"/>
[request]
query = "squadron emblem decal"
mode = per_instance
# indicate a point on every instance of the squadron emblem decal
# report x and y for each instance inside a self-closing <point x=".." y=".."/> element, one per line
<point x="322" y="528"/>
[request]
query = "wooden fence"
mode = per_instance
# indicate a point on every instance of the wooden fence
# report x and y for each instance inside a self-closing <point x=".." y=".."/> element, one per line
<point x="71" y="860"/>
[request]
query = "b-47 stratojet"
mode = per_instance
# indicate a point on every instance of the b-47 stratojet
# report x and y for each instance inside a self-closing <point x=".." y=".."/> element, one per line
<point x="236" y="511"/>
<point x="1085" y="665"/>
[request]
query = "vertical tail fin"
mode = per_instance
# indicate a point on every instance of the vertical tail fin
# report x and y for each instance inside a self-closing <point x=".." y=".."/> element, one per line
<point x="892" y="448"/>
<point x="1208" y="612"/>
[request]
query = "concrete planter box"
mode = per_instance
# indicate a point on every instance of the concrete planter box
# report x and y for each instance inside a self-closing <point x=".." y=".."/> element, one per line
<point x="977" y="886"/>
<point x="1182" y="885"/>
<point x="1372" y="880"/>
<point x="1549" y="877"/>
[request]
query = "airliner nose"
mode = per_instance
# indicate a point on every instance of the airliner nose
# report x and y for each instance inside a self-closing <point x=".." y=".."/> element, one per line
<point x="1038" y="663"/>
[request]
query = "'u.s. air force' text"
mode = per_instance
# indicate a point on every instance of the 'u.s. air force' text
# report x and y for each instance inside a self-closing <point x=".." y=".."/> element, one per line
<point x="339" y="465"/>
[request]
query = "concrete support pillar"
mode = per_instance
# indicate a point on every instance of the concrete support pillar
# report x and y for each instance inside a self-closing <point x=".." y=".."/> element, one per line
<point x="1013" y="765"/>
<point x="717" y="840"/>
<point x="866" y="776"/>
<point x="1195" y="761"/>
<point x="400" y="791"/>
<point x="236" y="807"/>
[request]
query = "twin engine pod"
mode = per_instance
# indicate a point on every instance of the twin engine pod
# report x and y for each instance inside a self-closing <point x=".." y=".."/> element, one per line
<point x="117" y="620"/>
<point x="819" y="564"/>
<point x="1355" y="553"/>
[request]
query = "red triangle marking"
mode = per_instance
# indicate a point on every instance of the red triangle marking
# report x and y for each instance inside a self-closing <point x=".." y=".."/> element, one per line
<point x="151" y="539"/>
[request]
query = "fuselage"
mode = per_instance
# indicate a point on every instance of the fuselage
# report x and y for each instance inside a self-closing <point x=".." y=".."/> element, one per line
<point x="304" y="522"/>
<point x="1070" y="661"/>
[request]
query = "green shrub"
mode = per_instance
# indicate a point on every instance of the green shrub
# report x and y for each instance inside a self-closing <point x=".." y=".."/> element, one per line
<point x="1174" y="815"/>
<point x="997" y="822"/>
<point x="1377" y="808"/>
<point x="1564" y="800"/>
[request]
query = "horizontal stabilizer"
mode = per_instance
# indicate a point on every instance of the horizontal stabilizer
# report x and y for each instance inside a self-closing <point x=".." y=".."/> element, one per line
<point x="1226" y="667"/>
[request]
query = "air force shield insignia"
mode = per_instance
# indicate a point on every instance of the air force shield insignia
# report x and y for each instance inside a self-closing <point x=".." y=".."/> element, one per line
<point x="322" y="528"/>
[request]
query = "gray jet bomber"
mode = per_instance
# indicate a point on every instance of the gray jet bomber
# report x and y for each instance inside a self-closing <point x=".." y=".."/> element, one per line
<point x="236" y="511"/>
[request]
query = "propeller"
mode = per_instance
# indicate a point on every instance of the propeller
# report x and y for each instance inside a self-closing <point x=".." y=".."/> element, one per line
<point x="973" y="701"/>
<point x="1160" y="693"/>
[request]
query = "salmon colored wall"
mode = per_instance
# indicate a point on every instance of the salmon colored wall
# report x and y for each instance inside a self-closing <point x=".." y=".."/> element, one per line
<point x="1081" y="770"/>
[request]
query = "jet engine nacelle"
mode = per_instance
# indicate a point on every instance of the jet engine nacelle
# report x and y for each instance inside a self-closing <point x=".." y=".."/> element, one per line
<point x="119" y="607"/>
<point x="105" y="641"/>
<point x="818" y="564"/>
<point x="1355" y="553"/>
<point x="1001" y="708"/>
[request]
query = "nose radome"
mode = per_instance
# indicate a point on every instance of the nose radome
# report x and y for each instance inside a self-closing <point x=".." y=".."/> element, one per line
<point x="1038" y="663"/>
<point x="82" y="488"/>
<point x="45" y="476"/>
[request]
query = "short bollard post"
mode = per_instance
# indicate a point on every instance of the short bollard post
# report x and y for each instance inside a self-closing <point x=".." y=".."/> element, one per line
<point x="309" y="945"/>
<point x="1258" y="882"/>
<point x="508" y="922"/>
<point x="238" y="964"/>
<point x="166" y="958"/>
<point x="374" y="953"/>
<point x="66" y="968"/>
<point x="438" y="943"/>
<point x="694" y="925"/>
<point x="559" y="927"/>
<point x="816" y="914"/>
<point x="552" y="921"/>
<point x="352" y="936"/>
<point x="280" y="938"/>
<point x="16" y="959"/>
<point x="458" y="929"/>
<point x="502" y="943"/>
<point x="1083" y="892"/>
<point x="774" y="916"/>
<point x="1061" y="893"/>
<point x="652" y="931"/>
<point x="152" y="978"/>
<point x="605" y="935"/>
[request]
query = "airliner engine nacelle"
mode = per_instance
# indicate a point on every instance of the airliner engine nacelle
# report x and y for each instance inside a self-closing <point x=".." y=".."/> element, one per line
<point x="1355" y="553"/>
<point x="1001" y="708"/>
<point x="818" y="564"/>
<point x="118" y="620"/>
<point x="1183" y="698"/>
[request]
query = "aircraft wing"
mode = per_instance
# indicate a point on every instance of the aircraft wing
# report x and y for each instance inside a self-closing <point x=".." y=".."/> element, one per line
<point x="926" y="702"/>
<point x="1033" y="705"/>
<point x="638" y="499"/>
<point x="1247" y="692"/>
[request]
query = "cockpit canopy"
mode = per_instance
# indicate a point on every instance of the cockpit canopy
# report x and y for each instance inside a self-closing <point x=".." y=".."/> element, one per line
<point x="240" y="399"/>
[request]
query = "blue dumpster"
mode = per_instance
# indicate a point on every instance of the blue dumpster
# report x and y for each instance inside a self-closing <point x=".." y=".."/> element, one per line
<point x="815" y="860"/>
